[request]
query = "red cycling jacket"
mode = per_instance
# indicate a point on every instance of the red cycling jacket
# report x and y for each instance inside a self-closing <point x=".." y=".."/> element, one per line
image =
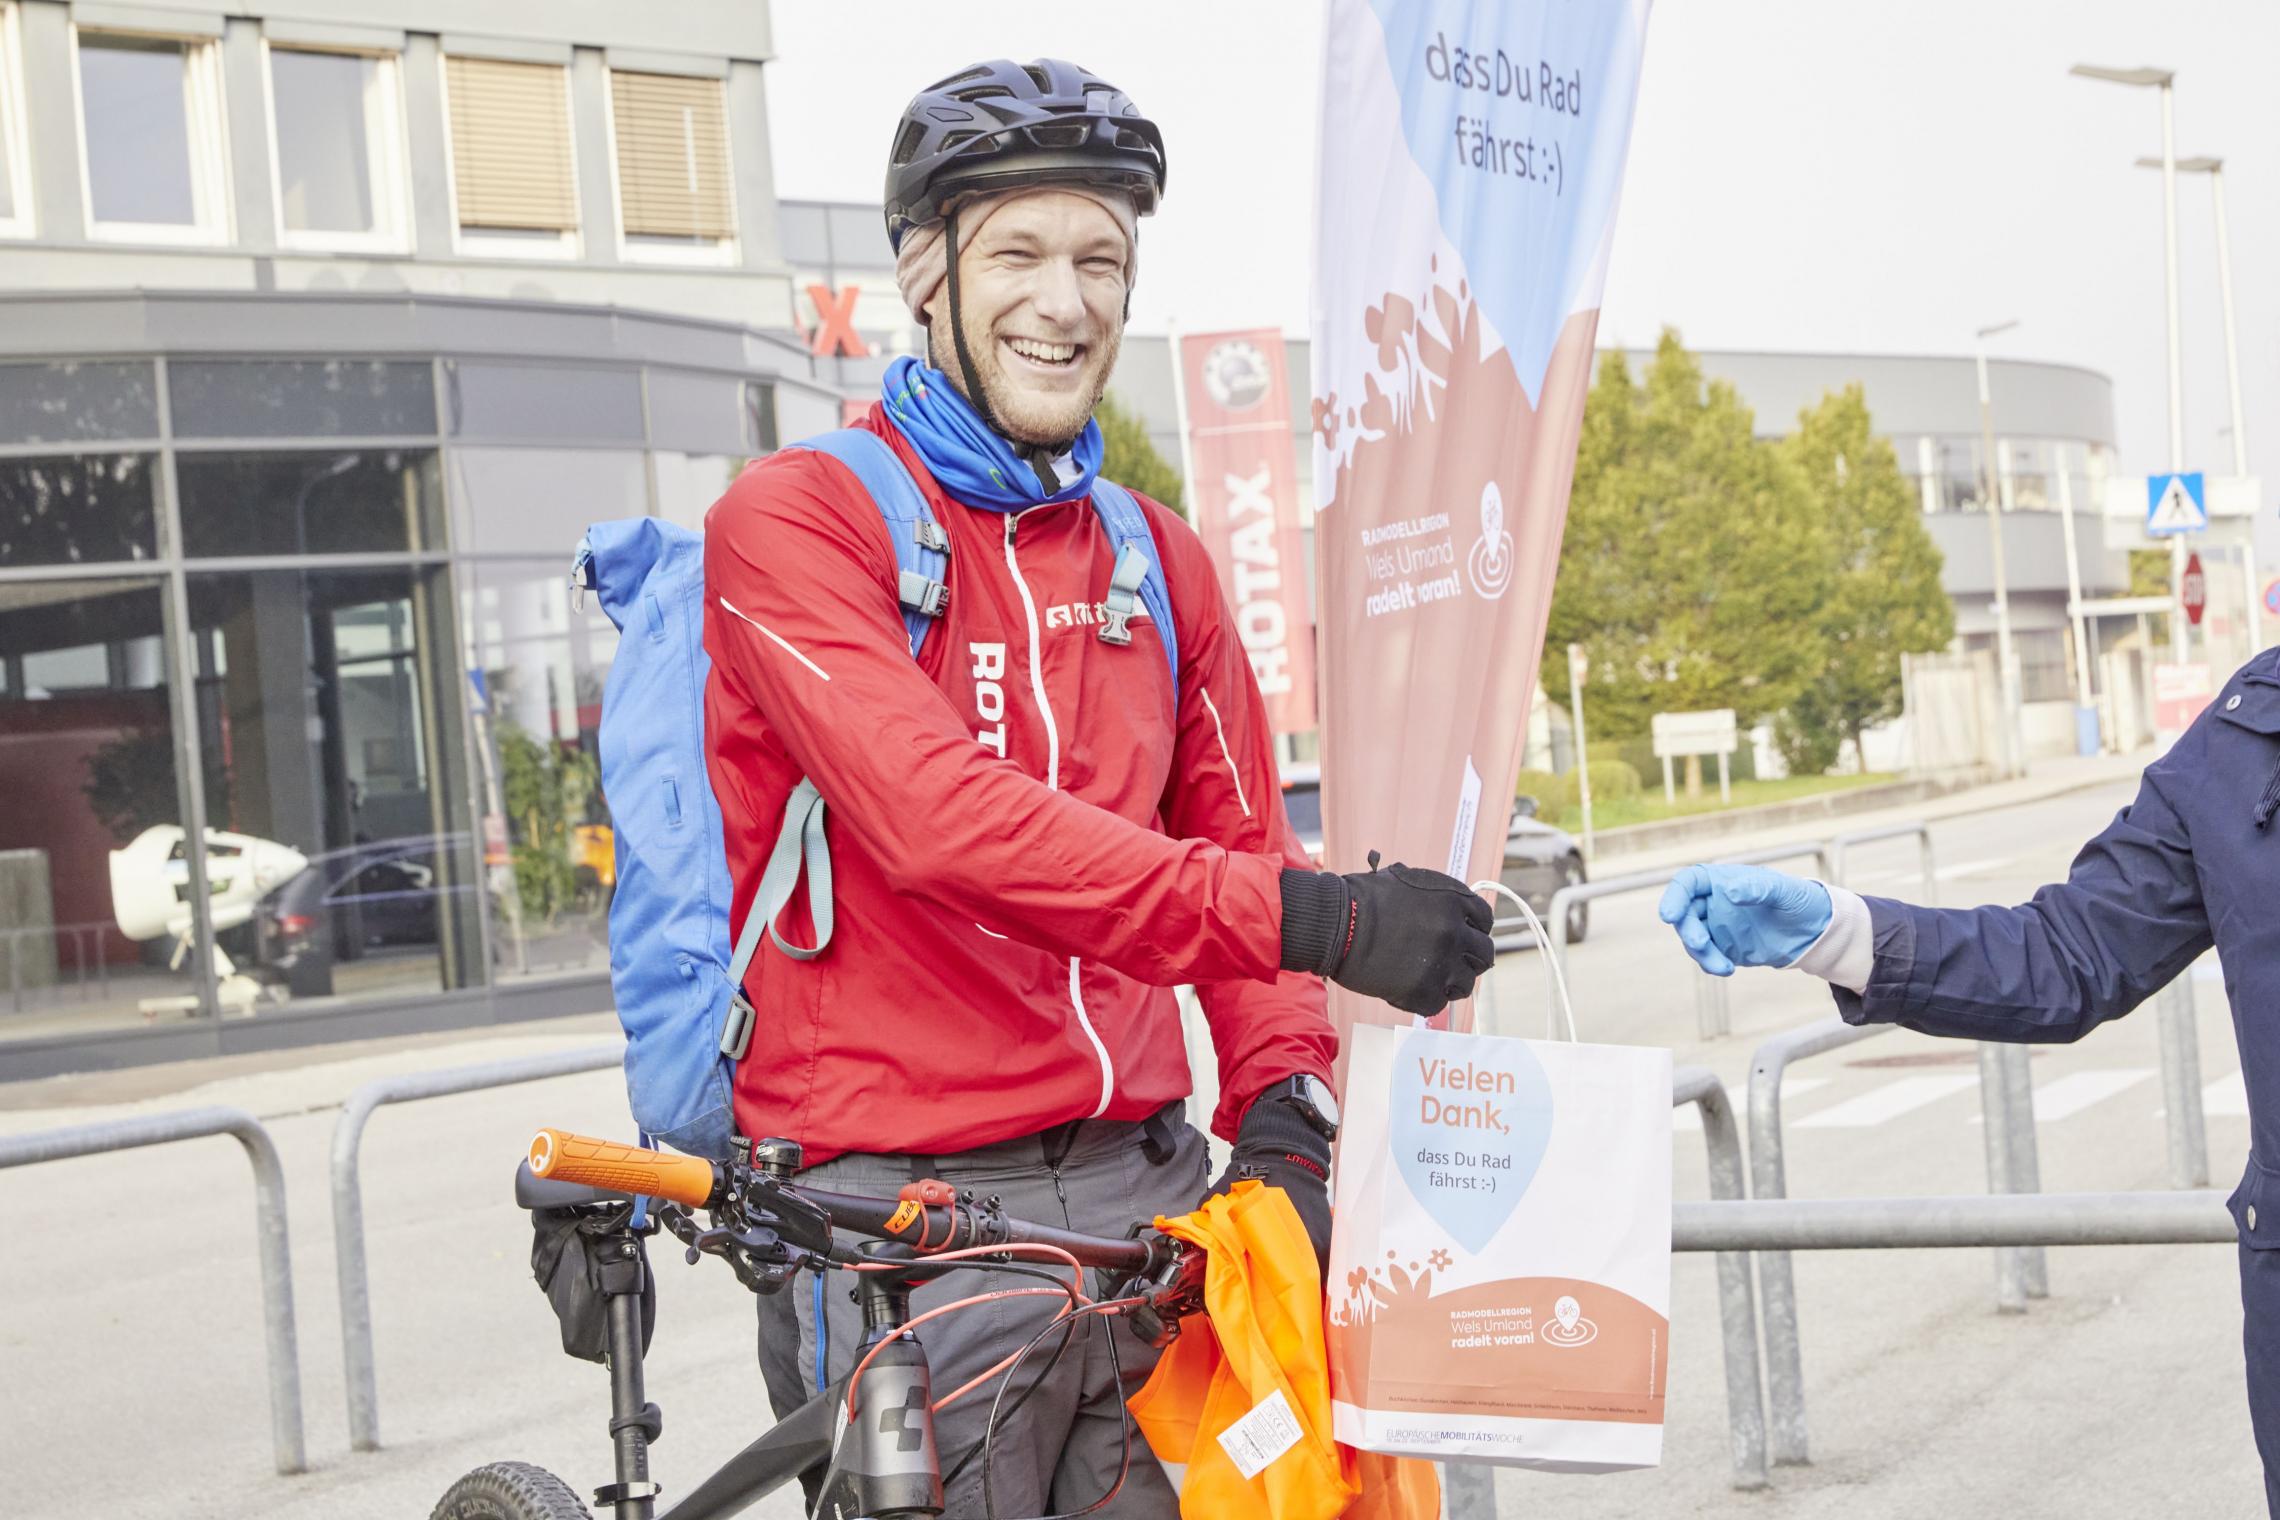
<point x="1029" y="846"/>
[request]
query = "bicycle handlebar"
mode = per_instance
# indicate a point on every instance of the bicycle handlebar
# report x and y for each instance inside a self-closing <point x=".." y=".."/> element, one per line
<point x="928" y="1228"/>
<point x="565" y="1157"/>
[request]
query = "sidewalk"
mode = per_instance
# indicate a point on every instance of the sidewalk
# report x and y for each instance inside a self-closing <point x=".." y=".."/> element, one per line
<point x="2044" y="779"/>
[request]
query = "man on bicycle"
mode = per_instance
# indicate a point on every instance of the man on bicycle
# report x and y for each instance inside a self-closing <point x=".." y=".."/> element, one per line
<point x="1033" y="837"/>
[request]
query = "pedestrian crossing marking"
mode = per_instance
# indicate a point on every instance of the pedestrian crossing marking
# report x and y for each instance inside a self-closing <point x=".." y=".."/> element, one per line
<point x="2069" y="1095"/>
<point x="2059" y="1099"/>
<point x="1890" y="1101"/>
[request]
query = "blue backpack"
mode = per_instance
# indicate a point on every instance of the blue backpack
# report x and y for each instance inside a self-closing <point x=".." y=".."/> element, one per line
<point x="677" y="981"/>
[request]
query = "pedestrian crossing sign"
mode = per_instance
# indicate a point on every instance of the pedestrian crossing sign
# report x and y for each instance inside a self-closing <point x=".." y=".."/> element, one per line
<point x="2175" y="504"/>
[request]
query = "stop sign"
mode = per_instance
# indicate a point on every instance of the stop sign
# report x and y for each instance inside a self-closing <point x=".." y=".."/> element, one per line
<point x="2196" y="590"/>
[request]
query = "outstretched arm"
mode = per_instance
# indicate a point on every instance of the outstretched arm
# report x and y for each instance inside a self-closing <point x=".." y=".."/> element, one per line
<point x="2128" y="918"/>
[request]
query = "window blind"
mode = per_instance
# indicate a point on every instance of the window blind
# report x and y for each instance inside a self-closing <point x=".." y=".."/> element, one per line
<point x="510" y="145"/>
<point x="672" y="155"/>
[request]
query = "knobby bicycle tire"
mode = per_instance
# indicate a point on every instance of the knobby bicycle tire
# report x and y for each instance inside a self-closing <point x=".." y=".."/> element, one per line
<point x="511" y="1491"/>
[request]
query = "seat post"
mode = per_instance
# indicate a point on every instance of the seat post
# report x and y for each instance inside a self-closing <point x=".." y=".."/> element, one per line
<point x="634" y="1421"/>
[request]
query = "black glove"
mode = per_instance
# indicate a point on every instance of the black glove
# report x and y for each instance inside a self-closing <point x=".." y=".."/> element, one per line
<point x="1282" y="1150"/>
<point x="1417" y="939"/>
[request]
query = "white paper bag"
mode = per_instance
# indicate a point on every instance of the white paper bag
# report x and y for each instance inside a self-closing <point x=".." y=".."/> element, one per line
<point x="1500" y="1261"/>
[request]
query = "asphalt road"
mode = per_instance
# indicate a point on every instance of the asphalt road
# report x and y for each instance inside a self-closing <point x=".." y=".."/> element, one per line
<point x="131" y="1374"/>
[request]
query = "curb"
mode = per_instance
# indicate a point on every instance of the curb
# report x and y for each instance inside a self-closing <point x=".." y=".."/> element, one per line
<point x="1960" y="799"/>
<point x="1638" y="838"/>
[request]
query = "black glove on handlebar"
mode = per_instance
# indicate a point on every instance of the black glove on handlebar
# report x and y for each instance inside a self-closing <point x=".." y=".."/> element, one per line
<point x="1417" y="939"/>
<point x="1282" y="1150"/>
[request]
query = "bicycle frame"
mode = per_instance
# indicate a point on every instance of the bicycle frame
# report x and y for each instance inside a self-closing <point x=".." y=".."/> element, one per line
<point x="884" y="1463"/>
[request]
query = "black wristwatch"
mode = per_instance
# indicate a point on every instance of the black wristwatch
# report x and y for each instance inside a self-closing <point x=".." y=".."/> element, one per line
<point x="1310" y="1098"/>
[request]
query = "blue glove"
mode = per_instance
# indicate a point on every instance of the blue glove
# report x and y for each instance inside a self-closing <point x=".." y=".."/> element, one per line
<point x="1729" y="916"/>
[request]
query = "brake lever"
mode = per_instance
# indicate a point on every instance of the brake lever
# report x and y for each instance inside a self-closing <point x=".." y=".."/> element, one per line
<point x="1168" y="1295"/>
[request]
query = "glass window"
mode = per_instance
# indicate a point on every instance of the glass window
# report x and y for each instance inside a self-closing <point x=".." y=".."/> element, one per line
<point x="759" y="417"/>
<point x="536" y="665"/>
<point x="697" y="412"/>
<point x="2028" y="463"/>
<point x="334" y="501"/>
<point x="1959" y="471"/>
<point x="91" y="910"/>
<point x="302" y="398"/>
<point x="76" y="509"/>
<point x="688" y="484"/>
<point x="334" y="125"/>
<point x="69" y="401"/>
<point x="540" y="501"/>
<point x="672" y="163"/>
<point x="535" y="401"/>
<point x="332" y="701"/>
<point x="513" y="174"/>
<point x="148" y="110"/>
<point x="15" y="177"/>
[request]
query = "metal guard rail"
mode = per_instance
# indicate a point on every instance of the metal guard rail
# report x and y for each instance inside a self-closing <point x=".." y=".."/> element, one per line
<point x="269" y="1215"/>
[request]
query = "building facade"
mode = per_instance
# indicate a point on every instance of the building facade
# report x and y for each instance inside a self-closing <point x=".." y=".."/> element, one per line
<point x="325" y="330"/>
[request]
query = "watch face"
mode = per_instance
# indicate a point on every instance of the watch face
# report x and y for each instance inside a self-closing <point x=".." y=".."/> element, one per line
<point x="1317" y="1092"/>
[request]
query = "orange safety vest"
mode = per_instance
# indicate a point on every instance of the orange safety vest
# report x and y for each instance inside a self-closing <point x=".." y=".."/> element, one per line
<point x="1254" y="1382"/>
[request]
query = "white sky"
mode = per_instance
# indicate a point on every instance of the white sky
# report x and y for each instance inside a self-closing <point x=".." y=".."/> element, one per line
<point x="1804" y="174"/>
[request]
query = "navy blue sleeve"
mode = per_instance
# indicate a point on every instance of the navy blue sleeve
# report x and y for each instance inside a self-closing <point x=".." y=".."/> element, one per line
<point x="2128" y="918"/>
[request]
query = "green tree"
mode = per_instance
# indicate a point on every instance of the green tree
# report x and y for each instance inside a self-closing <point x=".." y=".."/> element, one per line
<point x="1131" y="460"/>
<point x="1694" y="567"/>
<point x="1884" y="597"/>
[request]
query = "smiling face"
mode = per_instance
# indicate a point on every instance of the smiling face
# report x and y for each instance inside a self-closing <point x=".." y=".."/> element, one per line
<point x="1041" y="290"/>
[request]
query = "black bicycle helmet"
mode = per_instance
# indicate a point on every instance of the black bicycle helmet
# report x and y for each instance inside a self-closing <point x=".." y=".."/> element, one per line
<point x="1001" y="125"/>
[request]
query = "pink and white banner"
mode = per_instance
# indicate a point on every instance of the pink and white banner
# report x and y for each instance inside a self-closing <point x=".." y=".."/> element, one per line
<point x="1236" y="389"/>
<point x="1472" y="154"/>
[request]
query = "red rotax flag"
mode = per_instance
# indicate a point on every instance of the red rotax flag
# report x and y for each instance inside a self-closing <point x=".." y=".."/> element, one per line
<point x="1243" y="468"/>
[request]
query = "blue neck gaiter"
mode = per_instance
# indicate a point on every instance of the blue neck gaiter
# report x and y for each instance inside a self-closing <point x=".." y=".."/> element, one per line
<point x="969" y="458"/>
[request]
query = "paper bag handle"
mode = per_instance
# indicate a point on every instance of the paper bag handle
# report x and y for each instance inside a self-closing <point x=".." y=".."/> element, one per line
<point x="1557" y="992"/>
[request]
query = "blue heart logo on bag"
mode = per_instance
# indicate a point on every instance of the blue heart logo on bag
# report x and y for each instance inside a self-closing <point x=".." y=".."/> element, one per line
<point x="1471" y="1118"/>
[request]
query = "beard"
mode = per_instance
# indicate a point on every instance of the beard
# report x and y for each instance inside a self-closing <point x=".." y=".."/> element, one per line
<point x="1026" y="414"/>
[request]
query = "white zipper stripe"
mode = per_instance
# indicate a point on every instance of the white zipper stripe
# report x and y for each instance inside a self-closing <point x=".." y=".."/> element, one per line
<point x="1223" y="753"/>
<point x="1036" y="661"/>
<point x="780" y="643"/>
<point x="1107" y="1071"/>
<point x="1053" y="782"/>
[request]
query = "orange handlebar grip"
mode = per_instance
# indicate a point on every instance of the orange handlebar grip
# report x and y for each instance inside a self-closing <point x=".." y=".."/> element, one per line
<point x="564" y="1157"/>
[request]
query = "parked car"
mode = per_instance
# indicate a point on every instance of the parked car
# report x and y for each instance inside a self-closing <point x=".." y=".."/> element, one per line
<point x="348" y="902"/>
<point x="1538" y="859"/>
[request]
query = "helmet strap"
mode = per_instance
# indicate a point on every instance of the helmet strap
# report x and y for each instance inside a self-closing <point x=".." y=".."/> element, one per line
<point x="1039" y="457"/>
<point x="966" y="371"/>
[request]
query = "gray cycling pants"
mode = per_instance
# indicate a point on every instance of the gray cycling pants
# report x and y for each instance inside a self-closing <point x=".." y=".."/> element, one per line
<point x="1063" y="1447"/>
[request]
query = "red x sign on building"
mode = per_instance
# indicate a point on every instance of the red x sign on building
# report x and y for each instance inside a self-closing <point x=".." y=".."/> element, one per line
<point x="835" y="323"/>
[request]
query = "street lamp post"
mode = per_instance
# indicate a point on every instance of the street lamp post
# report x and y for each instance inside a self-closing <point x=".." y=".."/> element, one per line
<point x="2014" y="748"/>
<point x="2215" y="169"/>
<point x="2164" y="80"/>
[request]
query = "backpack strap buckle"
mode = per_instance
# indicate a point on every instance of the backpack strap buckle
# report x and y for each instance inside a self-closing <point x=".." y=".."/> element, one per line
<point x="1123" y="597"/>
<point x="922" y="595"/>
<point x="736" y="1030"/>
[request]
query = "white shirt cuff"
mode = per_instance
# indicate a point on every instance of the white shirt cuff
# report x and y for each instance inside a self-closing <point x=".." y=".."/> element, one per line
<point x="1844" y="955"/>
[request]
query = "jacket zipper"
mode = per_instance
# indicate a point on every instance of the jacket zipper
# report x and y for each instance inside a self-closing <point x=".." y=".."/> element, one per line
<point x="1053" y="782"/>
